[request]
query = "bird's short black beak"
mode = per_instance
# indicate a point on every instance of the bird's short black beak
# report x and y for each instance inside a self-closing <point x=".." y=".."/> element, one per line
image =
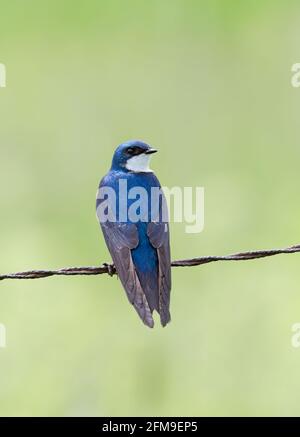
<point x="150" y="151"/>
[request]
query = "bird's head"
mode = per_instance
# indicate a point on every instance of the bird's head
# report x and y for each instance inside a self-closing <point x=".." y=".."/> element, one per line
<point x="133" y="156"/>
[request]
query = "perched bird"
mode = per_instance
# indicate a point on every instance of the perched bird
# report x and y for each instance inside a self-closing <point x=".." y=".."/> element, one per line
<point x="138" y="241"/>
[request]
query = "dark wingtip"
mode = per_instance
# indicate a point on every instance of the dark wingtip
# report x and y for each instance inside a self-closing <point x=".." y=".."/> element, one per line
<point x="165" y="319"/>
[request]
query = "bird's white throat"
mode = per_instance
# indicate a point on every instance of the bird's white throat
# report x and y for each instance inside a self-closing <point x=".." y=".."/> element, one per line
<point x="139" y="163"/>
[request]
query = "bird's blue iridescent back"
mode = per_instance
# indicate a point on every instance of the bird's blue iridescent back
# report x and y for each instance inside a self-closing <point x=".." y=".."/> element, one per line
<point x="144" y="255"/>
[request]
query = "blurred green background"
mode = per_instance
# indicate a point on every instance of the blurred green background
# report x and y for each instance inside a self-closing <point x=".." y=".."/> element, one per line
<point x="209" y="84"/>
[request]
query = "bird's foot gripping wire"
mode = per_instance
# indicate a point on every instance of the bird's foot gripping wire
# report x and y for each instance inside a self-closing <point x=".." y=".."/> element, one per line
<point x="110" y="269"/>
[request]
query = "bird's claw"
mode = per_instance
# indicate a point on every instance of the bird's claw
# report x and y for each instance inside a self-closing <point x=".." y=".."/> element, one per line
<point x="110" y="269"/>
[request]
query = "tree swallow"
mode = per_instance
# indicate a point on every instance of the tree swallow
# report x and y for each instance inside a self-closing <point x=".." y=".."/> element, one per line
<point x="137" y="240"/>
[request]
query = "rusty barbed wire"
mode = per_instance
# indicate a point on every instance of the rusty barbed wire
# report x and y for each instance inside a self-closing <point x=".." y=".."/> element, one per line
<point x="110" y="269"/>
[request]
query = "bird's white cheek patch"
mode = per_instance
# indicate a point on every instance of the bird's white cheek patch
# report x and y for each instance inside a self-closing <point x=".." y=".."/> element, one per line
<point x="139" y="163"/>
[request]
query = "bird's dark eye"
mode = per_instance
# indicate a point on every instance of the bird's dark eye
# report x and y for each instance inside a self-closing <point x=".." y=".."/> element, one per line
<point x="134" y="151"/>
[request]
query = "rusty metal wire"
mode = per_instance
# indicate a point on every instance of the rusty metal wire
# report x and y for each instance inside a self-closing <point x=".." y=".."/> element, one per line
<point x="109" y="268"/>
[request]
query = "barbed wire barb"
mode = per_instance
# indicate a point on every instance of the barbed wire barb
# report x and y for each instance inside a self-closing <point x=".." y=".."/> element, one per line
<point x="110" y="269"/>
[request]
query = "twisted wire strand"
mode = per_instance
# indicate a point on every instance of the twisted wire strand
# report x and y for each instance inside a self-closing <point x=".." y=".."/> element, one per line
<point x="110" y="269"/>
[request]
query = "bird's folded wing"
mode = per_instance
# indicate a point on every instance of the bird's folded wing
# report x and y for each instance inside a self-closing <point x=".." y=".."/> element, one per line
<point x="158" y="233"/>
<point x="120" y="239"/>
